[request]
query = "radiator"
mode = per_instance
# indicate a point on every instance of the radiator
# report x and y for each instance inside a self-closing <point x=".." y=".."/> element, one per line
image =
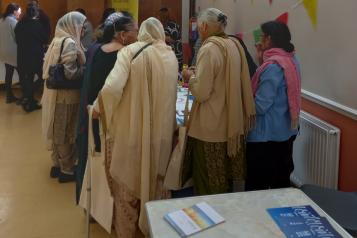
<point x="316" y="153"/>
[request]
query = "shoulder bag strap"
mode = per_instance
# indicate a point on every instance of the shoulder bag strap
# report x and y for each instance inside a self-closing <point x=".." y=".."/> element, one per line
<point x="62" y="46"/>
<point x="141" y="50"/>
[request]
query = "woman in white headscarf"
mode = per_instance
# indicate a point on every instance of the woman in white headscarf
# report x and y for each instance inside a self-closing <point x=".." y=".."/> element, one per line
<point x="137" y="105"/>
<point x="60" y="107"/>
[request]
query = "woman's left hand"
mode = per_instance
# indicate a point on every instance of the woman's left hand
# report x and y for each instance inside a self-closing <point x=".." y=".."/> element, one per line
<point x="187" y="74"/>
<point x="95" y="114"/>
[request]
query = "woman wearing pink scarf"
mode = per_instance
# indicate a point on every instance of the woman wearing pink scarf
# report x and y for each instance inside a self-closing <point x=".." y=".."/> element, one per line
<point x="276" y="87"/>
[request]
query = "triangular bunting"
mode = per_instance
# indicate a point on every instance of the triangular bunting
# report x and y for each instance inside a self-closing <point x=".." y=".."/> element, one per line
<point x="257" y="33"/>
<point x="270" y="2"/>
<point x="240" y="35"/>
<point x="284" y="18"/>
<point x="311" y="8"/>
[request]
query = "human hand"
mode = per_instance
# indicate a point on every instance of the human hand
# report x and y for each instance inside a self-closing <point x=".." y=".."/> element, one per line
<point x="95" y="114"/>
<point x="187" y="74"/>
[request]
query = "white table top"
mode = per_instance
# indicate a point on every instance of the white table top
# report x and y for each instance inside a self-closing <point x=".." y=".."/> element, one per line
<point x="245" y="213"/>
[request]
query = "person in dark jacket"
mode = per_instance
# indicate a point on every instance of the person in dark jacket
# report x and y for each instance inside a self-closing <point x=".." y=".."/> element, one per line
<point x="44" y="20"/>
<point x="30" y="38"/>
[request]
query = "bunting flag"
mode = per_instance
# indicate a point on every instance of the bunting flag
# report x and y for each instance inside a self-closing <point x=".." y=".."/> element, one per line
<point x="257" y="33"/>
<point x="240" y="35"/>
<point x="311" y="8"/>
<point x="284" y="18"/>
<point x="270" y="2"/>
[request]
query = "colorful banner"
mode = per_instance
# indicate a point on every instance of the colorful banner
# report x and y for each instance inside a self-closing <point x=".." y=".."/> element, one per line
<point x="311" y="8"/>
<point x="284" y="18"/>
<point x="131" y="6"/>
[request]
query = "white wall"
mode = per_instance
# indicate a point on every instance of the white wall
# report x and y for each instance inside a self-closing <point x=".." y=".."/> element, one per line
<point x="327" y="54"/>
<point x="185" y="20"/>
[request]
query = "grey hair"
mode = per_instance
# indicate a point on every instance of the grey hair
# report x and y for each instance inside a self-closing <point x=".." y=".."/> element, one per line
<point x="213" y="16"/>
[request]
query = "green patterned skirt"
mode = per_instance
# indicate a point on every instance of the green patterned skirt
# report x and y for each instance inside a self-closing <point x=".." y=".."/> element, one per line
<point x="213" y="172"/>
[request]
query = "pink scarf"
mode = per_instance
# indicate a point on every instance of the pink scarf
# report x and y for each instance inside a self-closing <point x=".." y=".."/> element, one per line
<point x="292" y="77"/>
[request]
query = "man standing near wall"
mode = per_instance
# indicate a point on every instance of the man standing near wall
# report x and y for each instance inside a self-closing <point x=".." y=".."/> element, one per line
<point x="173" y="34"/>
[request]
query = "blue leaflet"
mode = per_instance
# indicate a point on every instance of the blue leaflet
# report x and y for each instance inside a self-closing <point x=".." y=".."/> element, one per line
<point x="301" y="222"/>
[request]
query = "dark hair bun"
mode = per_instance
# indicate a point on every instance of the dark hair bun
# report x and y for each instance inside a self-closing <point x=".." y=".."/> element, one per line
<point x="222" y="19"/>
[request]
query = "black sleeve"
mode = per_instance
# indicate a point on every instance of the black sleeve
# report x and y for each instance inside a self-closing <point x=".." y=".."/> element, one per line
<point x="46" y="24"/>
<point x="17" y="34"/>
<point x="251" y="64"/>
<point x="41" y="34"/>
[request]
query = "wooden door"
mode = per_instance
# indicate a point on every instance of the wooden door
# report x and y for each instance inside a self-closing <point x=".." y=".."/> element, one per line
<point x="151" y="9"/>
<point x="93" y="8"/>
<point x="54" y="9"/>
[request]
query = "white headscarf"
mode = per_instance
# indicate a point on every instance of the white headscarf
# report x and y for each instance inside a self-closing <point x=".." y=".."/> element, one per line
<point x="70" y="25"/>
<point x="151" y="30"/>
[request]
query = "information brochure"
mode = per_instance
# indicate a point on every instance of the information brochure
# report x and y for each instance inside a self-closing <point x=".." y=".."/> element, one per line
<point x="301" y="222"/>
<point x="192" y="220"/>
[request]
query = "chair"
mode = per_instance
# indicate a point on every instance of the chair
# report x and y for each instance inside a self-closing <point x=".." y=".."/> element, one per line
<point x="341" y="206"/>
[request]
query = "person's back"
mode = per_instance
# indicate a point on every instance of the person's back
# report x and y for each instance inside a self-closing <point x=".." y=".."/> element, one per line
<point x="8" y="48"/>
<point x="222" y="111"/>
<point x="211" y="95"/>
<point x="162" y="90"/>
<point x="30" y="39"/>
<point x="137" y="103"/>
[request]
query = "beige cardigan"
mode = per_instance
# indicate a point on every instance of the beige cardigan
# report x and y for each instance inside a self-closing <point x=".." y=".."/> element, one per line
<point x="209" y="112"/>
<point x="224" y="109"/>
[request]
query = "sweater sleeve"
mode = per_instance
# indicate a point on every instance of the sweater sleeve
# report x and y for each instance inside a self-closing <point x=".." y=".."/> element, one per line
<point x="270" y="80"/>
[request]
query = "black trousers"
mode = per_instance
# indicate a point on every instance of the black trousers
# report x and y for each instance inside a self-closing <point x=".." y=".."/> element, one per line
<point x="27" y="83"/>
<point x="9" y="73"/>
<point x="269" y="164"/>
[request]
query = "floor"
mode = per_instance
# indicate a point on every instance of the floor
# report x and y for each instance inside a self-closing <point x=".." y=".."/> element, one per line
<point x="32" y="205"/>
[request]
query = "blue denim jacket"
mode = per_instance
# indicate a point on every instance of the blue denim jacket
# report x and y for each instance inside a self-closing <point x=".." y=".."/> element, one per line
<point x="273" y="116"/>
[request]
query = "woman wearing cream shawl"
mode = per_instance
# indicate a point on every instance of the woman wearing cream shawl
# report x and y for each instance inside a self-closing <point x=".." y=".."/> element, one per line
<point x="223" y="111"/>
<point x="60" y="107"/>
<point x="137" y="105"/>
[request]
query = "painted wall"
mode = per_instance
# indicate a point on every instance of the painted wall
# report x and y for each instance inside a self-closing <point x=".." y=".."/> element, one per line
<point x="150" y="8"/>
<point x="93" y="8"/>
<point x="54" y="9"/>
<point x="131" y="6"/>
<point x="327" y="52"/>
<point x="348" y="144"/>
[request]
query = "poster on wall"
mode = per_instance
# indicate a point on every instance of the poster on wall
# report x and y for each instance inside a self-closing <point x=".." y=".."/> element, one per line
<point x="131" y="6"/>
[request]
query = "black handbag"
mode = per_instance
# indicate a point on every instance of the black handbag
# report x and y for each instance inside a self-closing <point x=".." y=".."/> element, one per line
<point x="57" y="79"/>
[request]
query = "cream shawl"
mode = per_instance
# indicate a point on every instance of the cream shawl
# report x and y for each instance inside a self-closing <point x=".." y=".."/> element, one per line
<point x="70" y="25"/>
<point x="138" y="103"/>
<point x="239" y="94"/>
